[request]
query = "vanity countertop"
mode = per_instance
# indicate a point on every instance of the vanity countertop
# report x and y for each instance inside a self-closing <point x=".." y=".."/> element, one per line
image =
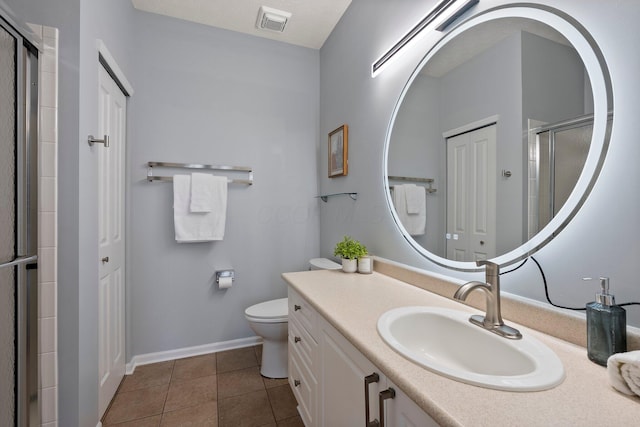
<point x="352" y="303"/>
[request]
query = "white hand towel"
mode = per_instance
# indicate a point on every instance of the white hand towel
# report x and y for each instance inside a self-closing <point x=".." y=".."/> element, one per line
<point x="203" y="191"/>
<point x="198" y="226"/>
<point x="415" y="199"/>
<point x="624" y="372"/>
<point x="414" y="224"/>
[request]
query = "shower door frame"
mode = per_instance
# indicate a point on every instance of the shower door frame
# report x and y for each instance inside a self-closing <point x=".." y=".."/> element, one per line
<point x="26" y="403"/>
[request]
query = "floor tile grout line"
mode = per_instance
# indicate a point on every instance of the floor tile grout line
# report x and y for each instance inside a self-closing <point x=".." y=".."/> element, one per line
<point x="273" y="412"/>
<point x="173" y="368"/>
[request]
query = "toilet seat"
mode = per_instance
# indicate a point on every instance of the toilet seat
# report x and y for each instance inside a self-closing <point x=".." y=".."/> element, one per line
<point x="274" y="311"/>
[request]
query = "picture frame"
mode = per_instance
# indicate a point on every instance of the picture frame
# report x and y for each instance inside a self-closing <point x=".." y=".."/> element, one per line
<point x="338" y="151"/>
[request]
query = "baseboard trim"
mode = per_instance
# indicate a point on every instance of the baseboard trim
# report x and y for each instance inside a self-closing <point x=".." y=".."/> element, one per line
<point x="162" y="356"/>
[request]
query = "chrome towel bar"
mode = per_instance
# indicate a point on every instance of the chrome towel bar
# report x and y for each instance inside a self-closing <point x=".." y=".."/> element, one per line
<point x="152" y="177"/>
<point x="429" y="181"/>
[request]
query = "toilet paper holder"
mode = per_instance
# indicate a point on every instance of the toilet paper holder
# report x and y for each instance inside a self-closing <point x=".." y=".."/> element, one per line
<point x="224" y="274"/>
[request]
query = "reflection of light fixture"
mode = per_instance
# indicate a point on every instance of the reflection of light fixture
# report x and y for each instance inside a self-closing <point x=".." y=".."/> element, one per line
<point x="438" y="10"/>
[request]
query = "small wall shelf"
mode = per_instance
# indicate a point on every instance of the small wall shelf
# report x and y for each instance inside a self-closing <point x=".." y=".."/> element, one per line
<point x="325" y="197"/>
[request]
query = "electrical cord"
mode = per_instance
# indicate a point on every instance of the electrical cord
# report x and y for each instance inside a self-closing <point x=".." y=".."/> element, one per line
<point x="546" y="287"/>
<point x="514" y="269"/>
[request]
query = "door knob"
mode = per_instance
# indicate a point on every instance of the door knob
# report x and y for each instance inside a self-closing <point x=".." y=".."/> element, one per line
<point x="105" y="259"/>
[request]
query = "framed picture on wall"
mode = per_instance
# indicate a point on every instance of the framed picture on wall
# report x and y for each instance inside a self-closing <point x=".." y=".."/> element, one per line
<point x="338" y="149"/>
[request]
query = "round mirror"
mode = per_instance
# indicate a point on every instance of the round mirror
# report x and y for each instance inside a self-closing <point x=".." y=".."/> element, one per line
<point x="498" y="137"/>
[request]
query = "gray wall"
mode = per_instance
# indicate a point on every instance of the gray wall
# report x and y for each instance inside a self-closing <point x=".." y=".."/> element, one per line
<point x="206" y="95"/>
<point x="600" y="240"/>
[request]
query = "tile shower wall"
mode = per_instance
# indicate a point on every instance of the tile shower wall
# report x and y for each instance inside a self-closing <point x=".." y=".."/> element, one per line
<point x="47" y="220"/>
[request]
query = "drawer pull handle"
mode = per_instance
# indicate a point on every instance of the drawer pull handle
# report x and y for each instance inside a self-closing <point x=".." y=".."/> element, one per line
<point x="384" y="395"/>
<point x="296" y="383"/>
<point x="296" y="307"/>
<point x="373" y="378"/>
<point x="297" y="339"/>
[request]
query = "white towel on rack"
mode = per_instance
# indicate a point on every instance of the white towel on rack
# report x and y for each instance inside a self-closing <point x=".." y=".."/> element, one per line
<point x="198" y="226"/>
<point x="415" y="199"/>
<point x="415" y="224"/>
<point x="204" y="190"/>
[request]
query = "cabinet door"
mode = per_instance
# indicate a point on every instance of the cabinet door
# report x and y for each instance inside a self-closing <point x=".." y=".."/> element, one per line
<point x="401" y="411"/>
<point x="342" y="372"/>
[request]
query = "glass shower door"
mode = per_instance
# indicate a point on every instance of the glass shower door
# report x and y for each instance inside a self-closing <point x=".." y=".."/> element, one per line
<point x="7" y="227"/>
<point x="18" y="230"/>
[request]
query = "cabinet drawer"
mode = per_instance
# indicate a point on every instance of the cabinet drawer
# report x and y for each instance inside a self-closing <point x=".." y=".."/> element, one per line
<point x="304" y="387"/>
<point x="302" y="343"/>
<point x="303" y="313"/>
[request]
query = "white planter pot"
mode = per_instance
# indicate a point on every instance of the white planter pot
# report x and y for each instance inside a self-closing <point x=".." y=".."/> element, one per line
<point x="349" y="265"/>
<point x="365" y="265"/>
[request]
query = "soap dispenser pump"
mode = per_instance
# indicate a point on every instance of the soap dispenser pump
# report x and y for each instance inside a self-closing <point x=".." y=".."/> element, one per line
<point x="606" y="326"/>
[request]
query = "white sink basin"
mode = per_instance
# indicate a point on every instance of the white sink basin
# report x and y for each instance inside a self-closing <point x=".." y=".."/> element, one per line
<point x="443" y="341"/>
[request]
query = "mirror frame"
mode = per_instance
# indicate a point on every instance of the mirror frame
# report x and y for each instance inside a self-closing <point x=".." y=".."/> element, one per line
<point x="598" y="73"/>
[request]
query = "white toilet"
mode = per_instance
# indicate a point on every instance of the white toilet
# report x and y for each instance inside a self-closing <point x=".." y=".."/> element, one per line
<point x="269" y="320"/>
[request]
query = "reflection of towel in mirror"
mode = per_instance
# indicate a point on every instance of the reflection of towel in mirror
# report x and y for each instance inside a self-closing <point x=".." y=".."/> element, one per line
<point x="415" y="224"/>
<point x="624" y="372"/>
<point x="415" y="199"/>
<point x="198" y="226"/>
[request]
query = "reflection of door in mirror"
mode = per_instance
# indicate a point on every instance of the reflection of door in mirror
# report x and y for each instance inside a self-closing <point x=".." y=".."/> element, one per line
<point x="471" y="195"/>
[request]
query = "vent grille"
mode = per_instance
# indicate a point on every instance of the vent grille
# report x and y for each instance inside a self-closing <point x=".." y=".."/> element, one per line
<point x="272" y="19"/>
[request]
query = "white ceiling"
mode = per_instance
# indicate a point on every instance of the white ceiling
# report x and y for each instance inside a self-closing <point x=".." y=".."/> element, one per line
<point x="310" y="24"/>
<point x="480" y="38"/>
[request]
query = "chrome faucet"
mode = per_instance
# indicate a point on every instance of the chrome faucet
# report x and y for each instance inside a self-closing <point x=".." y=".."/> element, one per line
<point x="492" y="321"/>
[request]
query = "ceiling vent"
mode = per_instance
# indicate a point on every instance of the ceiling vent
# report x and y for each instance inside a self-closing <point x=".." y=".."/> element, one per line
<point x="272" y="19"/>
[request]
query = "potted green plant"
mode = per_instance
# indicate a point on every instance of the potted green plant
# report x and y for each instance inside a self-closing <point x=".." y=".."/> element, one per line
<point x="350" y="250"/>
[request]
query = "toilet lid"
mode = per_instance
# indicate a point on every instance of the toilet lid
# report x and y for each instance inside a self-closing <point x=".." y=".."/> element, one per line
<point x="274" y="310"/>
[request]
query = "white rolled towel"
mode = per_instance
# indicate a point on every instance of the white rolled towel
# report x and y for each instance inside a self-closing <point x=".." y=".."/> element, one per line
<point x="624" y="372"/>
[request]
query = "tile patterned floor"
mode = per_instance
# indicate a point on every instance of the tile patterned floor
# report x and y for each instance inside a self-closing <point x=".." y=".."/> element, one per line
<point x="220" y="390"/>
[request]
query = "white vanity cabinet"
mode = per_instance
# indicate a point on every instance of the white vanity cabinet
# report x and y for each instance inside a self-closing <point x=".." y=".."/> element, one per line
<point x="303" y="357"/>
<point x="328" y="378"/>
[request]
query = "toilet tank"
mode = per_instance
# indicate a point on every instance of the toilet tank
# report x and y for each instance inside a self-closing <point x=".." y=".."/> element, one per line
<point x="323" y="264"/>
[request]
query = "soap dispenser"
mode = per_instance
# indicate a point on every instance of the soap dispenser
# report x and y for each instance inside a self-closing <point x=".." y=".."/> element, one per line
<point x="606" y="326"/>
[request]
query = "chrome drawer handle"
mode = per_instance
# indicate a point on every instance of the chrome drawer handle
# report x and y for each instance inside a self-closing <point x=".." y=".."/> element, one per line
<point x="373" y="378"/>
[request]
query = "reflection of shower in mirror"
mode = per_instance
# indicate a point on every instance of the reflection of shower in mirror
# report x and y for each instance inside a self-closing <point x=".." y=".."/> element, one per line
<point x="557" y="153"/>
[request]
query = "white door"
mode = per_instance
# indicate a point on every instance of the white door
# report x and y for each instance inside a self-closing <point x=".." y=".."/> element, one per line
<point x="111" y="172"/>
<point x="471" y="195"/>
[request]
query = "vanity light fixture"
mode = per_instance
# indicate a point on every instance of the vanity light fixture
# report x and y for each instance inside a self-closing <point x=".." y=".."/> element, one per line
<point x="437" y="11"/>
